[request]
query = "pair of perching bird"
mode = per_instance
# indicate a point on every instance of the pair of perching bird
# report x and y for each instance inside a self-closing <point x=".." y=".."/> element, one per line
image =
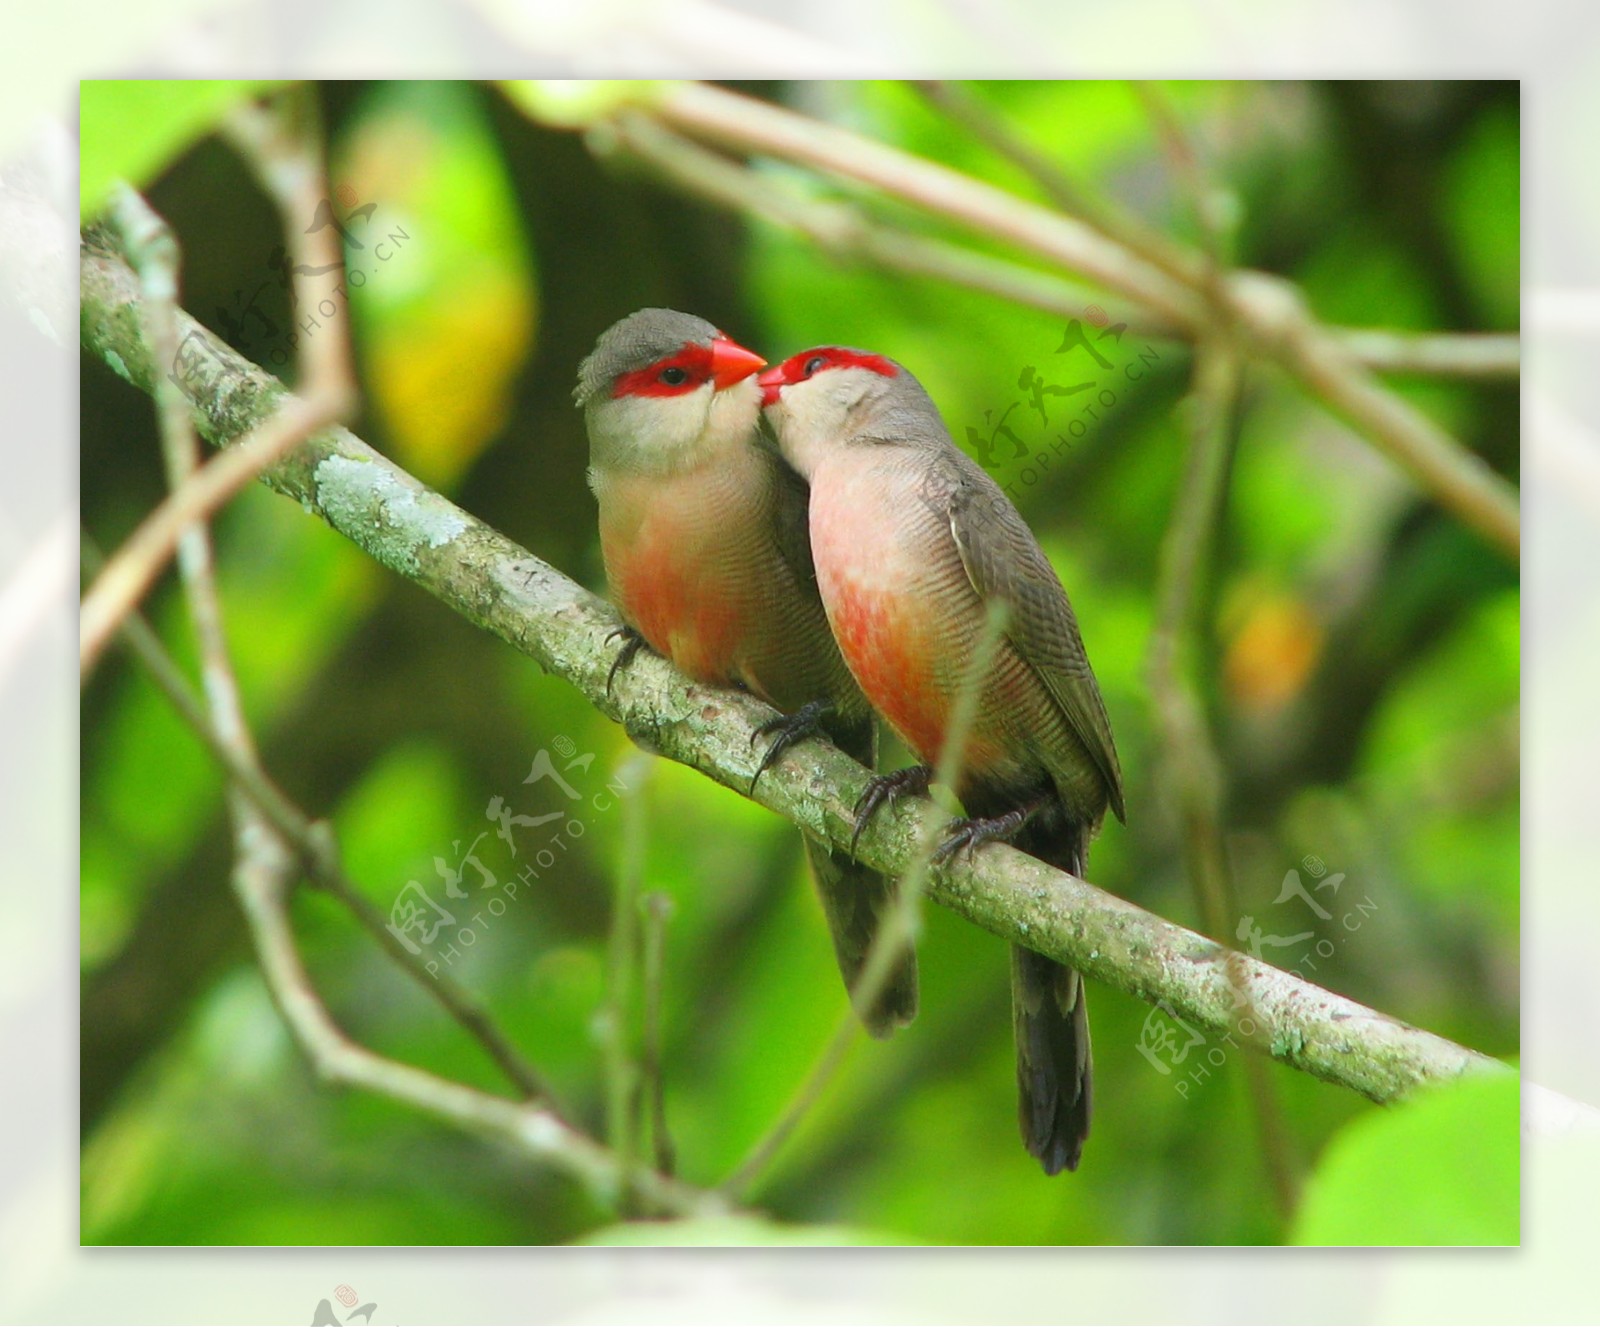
<point x="851" y="569"/>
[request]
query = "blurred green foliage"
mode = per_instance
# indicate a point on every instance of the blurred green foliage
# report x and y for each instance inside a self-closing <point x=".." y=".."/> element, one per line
<point x="1427" y="1158"/>
<point x="1365" y="693"/>
<point x="129" y="129"/>
<point x="445" y="330"/>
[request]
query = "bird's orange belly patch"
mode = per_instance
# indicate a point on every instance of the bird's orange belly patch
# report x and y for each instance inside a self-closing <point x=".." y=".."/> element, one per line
<point x="905" y="645"/>
<point x="681" y="615"/>
<point x="885" y="648"/>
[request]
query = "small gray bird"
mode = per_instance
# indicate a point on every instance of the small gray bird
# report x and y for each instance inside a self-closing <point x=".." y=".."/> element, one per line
<point x="911" y="542"/>
<point x="703" y="531"/>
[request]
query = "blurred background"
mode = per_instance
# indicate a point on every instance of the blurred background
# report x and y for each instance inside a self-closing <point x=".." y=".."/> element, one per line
<point x="1363" y="683"/>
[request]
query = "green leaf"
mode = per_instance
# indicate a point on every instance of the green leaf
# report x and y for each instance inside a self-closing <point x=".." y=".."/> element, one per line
<point x="1442" y="1168"/>
<point x="131" y="129"/>
<point x="1482" y="213"/>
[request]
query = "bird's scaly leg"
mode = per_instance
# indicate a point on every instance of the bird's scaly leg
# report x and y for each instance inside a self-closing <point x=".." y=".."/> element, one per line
<point x="969" y="834"/>
<point x="790" y="728"/>
<point x="632" y="643"/>
<point x="888" y="788"/>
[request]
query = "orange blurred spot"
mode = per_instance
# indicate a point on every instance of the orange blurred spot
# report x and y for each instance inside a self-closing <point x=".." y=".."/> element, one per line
<point x="1272" y="653"/>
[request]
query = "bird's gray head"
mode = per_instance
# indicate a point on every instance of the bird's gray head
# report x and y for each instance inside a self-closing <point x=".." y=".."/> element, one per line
<point x="660" y="385"/>
<point x="827" y="397"/>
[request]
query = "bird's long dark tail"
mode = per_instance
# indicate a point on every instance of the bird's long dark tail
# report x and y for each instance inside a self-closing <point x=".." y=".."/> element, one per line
<point x="855" y="900"/>
<point x="1055" y="1070"/>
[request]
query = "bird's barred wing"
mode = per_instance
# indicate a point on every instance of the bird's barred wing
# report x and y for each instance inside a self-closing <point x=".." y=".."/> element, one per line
<point x="1003" y="560"/>
<point x="791" y="526"/>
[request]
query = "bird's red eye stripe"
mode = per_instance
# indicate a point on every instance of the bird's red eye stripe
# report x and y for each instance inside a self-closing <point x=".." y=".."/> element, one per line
<point x="811" y="362"/>
<point x="676" y="375"/>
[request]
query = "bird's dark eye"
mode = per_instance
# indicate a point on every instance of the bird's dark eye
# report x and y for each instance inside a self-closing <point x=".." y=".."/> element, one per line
<point x="673" y="377"/>
<point x="813" y="364"/>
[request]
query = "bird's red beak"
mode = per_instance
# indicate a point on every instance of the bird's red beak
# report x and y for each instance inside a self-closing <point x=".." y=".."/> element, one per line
<point x="772" y="382"/>
<point x="731" y="362"/>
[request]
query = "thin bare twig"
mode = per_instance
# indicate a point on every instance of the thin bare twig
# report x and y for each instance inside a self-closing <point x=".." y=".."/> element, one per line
<point x="282" y="144"/>
<point x="267" y="862"/>
<point x="1076" y="199"/>
<point x="845" y="232"/>
<point x="898" y="928"/>
<point x="150" y="241"/>
<point x="1209" y="203"/>
<point x="263" y="879"/>
<point x="1272" y="313"/>
<point x="1197" y="780"/>
<point x="139" y="560"/>
<point x="315" y="849"/>
<point x="1491" y="356"/>
<point x="655" y="909"/>
<point x="153" y="250"/>
<point x="747" y="125"/>
<point x="1194" y="772"/>
<point x="1274" y="321"/>
<point x="532" y="1129"/>
<point x="622" y="957"/>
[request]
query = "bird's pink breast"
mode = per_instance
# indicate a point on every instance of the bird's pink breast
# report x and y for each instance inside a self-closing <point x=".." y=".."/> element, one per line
<point x="891" y="638"/>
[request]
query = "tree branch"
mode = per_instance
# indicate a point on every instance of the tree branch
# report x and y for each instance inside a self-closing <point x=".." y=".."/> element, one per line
<point x="1270" y="310"/>
<point x="316" y="853"/>
<point x="282" y="144"/>
<point x="133" y="568"/>
<point x="846" y="233"/>
<point x="1070" y="196"/>
<point x="747" y="125"/>
<point x="263" y="880"/>
<point x="1490" y="356"/>
<point x="1193" y="771"/>
<point x="1195" y="778"/>
<point x="500" y="587"/>
<point x="1272" y="320"/>
<point x="267" y="827"/>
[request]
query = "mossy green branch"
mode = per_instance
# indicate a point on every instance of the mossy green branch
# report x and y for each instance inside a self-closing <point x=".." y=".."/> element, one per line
<point x="502" y="588"/>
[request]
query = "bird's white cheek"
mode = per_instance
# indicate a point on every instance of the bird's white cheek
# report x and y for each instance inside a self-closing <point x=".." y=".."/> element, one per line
<point x="799" y="438"/>
<point x="734" y="411"/>
<point x="650" y="433"/>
